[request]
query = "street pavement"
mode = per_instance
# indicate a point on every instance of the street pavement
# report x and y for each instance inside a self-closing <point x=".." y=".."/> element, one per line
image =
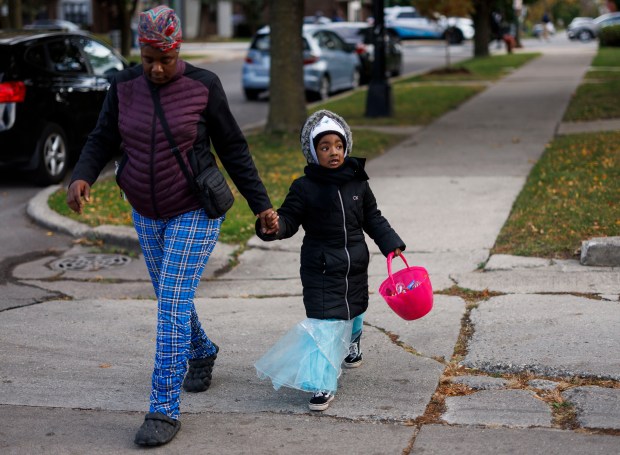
<point x="542" y="352"/>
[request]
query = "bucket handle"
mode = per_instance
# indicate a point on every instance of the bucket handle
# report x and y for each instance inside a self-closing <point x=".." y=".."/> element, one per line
<point x="389" y="265"/>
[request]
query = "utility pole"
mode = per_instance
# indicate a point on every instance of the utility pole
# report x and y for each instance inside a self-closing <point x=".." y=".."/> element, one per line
<point x="379" y="98"/>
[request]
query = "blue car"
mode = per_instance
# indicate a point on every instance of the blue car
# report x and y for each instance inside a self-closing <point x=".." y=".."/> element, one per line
<point x="330" y="64"/>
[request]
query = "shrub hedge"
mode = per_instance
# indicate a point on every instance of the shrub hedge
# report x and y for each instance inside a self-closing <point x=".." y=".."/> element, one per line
<point x="609" y="36"/>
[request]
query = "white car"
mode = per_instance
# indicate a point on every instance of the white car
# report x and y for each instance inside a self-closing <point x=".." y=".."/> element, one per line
<point x="409" y="24"/>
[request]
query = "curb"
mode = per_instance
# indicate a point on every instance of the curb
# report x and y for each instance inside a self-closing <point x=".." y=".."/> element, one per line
<point x="38" y="210"/>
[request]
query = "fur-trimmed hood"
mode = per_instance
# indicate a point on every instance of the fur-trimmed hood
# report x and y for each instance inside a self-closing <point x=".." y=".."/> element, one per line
<point x="313" y="121"/>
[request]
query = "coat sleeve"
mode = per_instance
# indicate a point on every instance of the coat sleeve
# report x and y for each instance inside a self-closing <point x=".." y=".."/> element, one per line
<point x="291" y="215"/>
<point x="377" y="227"/>
<point x="102" y="143"/>
<point x="232" y="149"/>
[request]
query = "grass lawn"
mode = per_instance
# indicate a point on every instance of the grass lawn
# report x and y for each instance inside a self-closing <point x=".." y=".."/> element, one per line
<point x="570" y="195"/>
<point x="418" y="105"/>
<point x="477" y="69"/>
<point x="598" y="97"/>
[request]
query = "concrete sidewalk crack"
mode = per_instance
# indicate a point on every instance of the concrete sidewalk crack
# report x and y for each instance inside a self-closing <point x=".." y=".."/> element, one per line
<point x="395" y="338"/>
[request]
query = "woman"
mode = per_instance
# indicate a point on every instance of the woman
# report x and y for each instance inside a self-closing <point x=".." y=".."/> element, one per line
<point x="176" y="235"/>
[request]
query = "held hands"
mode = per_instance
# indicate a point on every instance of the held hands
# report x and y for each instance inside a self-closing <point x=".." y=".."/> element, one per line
<point x="78" y="192"/>
<point x="268" y="221"/>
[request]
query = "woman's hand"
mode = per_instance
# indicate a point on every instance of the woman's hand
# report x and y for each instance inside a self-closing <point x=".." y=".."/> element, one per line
<point x="269" y="221"/>
<point x="397" y="252"/>
<point x="78" y="192"/>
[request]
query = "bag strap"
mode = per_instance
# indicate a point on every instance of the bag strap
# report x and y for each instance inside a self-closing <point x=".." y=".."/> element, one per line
<point x="389" y="266"/>
<point x="173" y="145"/>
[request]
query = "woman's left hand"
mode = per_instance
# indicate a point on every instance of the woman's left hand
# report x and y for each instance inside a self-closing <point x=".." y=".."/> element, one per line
<point x="397" y="252"/>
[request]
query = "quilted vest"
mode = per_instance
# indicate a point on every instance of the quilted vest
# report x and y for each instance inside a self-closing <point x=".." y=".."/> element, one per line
<point x="149" y="174"/>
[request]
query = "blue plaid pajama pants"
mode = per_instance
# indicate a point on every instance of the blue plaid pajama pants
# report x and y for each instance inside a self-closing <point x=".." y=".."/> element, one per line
<point x="176" y="251"/>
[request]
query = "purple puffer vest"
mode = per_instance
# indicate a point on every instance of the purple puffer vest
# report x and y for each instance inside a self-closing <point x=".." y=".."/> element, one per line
<point x="149" y="174"/>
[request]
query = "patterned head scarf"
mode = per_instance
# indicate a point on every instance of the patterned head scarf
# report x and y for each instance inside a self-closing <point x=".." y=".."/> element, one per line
<point x="320" y="123"/>
<point x="160" y="28"/>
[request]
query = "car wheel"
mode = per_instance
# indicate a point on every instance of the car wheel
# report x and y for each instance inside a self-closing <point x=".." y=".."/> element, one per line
<point x="584" y="35"/>
<point x="398" y="70"/>
<point x="251" y="94"/>
<point x="324" y="90"/>
<point x="454" y="35"/>
<point x="52" y="154"/>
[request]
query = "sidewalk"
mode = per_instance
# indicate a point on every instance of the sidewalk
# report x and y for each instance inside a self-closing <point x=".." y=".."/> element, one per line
<point x="75" y="372"/>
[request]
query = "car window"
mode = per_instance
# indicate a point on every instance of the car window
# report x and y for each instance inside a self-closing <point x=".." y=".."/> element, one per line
<point x="329" y="40"/>
<point x="35" y="55"/>
<point x="407" y="15"/>
<point x="66" y="57"/>
<point x="261" y="43"/>
<point x="101" y="58"/>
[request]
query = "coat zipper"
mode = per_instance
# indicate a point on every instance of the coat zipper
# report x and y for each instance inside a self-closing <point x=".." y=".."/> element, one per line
<point x="152" y="163"/>
<point x="346" y="250"/>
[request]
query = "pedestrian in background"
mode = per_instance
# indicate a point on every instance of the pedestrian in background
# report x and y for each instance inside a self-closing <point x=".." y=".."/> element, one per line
<point x="335" y="205"/>
<point x="175" y="234"/>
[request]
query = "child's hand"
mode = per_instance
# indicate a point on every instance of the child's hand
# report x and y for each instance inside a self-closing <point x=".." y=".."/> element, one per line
<point x="397" y="252"/>
<point x="269" y="221"/>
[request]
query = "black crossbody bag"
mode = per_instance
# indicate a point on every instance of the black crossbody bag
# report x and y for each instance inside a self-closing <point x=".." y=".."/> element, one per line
<point x="210" y="185"/>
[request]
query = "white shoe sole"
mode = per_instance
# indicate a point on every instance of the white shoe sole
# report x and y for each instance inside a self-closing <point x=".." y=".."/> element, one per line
<point x="321" y="407"/>
<point x="352" y="365"/>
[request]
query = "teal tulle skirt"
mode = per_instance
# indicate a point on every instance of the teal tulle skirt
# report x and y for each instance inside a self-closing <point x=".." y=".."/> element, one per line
<point x="309" y="356"/>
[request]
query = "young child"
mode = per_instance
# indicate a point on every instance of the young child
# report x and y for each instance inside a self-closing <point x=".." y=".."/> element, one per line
<point x="334" y="204"/>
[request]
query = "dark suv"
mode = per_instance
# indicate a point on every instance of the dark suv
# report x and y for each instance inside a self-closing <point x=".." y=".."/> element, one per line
<point x="52" y="86"/>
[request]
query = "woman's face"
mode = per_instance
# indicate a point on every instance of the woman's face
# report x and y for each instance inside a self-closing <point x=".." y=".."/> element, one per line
<point x="159" y="67"/>
<point x="330" y="151"/>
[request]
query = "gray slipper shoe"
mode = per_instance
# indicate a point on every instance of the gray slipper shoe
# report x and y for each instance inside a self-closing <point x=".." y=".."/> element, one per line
<point x="157" y="429"/>
<point x="198" y="377"/>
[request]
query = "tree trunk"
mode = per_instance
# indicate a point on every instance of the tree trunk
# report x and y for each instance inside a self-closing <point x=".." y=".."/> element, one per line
<point x="482" y="24"/>
<point x="287" y="102"/>
<point x="15" y="13"/>
<point x="126" y="9"/>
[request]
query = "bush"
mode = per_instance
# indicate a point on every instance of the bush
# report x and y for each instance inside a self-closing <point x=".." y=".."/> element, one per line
<point x="609" y="36"/>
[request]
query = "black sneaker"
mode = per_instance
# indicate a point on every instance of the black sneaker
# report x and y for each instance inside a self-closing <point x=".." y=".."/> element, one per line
<point x="320" y="401"/>
<point x="354" y="359"/>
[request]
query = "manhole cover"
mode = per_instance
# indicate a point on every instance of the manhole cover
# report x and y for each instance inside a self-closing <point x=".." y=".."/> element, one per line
<point x="90" y="262"/>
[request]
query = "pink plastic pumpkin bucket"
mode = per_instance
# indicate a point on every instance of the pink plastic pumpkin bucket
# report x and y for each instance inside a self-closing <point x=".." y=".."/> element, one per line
<point x="408" y="292"/>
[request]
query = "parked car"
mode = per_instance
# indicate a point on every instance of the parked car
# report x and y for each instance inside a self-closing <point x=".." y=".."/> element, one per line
<point x="330" y="64"/>
<point x="586" y="30"/>
<point x="52" y="86"/>
<point x="360" y="35"/>
<point x="409" y="24"/>
<point x="52" y="24"/>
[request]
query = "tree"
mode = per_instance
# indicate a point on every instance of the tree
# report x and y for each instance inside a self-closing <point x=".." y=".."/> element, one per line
<point x="15" y="13"/>
<point x="125" y="10"/>
<point x="287" y="102"/>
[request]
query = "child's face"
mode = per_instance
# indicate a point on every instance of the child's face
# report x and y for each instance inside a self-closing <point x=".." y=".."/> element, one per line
<point x="330" y="151"/>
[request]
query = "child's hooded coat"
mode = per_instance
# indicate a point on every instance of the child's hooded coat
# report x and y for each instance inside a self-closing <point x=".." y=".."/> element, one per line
<point x="335" y="207"/>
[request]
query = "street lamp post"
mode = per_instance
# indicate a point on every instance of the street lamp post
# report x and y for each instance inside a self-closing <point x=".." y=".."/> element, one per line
<point x="379" y="98"/>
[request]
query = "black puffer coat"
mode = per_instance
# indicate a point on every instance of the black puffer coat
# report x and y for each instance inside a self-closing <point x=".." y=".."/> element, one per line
<point x="335" y="207"/>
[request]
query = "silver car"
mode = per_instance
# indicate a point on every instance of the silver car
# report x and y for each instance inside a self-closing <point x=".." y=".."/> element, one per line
<point x="586" y="29"/>
<point x="330" y="64"/>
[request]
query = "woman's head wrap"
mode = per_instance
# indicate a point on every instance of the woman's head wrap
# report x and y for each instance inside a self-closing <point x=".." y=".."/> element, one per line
<point x="318" y="125"/>
<point x="160" y="28"/>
